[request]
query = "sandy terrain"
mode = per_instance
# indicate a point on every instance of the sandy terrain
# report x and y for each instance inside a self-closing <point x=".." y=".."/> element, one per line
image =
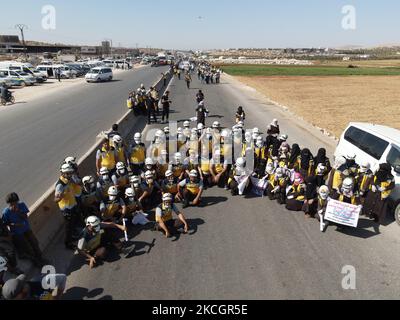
<point x="333" y="102"/>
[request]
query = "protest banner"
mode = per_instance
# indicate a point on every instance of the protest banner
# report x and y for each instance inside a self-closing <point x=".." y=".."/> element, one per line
<point x="343" y="213"/>
<point x="258" y="186"/>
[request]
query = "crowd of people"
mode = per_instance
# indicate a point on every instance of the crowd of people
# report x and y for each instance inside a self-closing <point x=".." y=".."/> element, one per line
<point x="208" y="74"/>
<point x="176" y="167"/>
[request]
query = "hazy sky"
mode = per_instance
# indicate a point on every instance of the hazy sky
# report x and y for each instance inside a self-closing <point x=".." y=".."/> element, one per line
<point x="176" y="24"/>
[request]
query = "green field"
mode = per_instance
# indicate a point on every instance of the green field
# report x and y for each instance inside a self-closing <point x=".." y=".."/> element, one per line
<point x="267" y="70"/>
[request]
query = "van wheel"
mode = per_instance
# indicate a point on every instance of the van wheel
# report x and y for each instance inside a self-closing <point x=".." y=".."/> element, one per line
<point x="110" y="78"/>
<point x="23" y="84"/>
<point x="397" y="213"/>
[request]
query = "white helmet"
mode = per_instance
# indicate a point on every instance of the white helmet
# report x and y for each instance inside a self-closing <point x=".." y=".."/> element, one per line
<point x="275" y="122"/>
<point x="240" y="162"/>
<point x="365" y="166"/>
<point x="88" y="180"/>
<point x="66" y="168"/>
<point x="142" y="86"/>
<point x="149" y="162"/>
<point x="186" y="124"/>
<point x="159" y="134"/>
<point x="224" y="134"/>
<point x="179" y="131"/>
<point x="323" y="192"/>
<point x="117" y="139"/>
<point x="256" y="131"/>
<point x="70" y="160"/>
<point x="3" y="264"/>
<point x="135" y="180"/>
<point x="169" y="173"/>
<point x="148" y="175"/>
<point x="121" y="166"/>
<point x="193" y="174"/>
<point x="178" y="156"/>
<point x="283" y="137"/>
<point x="279" y="172"/>
<point x="138" y="137"/>
<point x="270" y="168"/>
<point x="351" y="156"/>
<point x="104" y="171"/>
<point x="216" y="125"/>
<point x="247" y="136"/>
<point x="129" y="193"/>
<point x="113" y="191"/>
<point x="167" y="197"/>
<point x="321" y="168"/>
<point x="240" y="124"/>
<point x="200" y="126"/>
<point x="93" y="222"/>
<point x="260" y="141"/>
<point x="166" y="130"/>
<point x="348" y="185"/>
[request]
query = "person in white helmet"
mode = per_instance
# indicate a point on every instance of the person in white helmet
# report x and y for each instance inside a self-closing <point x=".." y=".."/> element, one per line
<point x="121" y="176"/>
<point x="277" y="186"/>
<point x="201" y="113"/>
<point x="65" y="192"/>
<point x="364" y="179"/>
<point x="96" y="238"/>
<point x="347" y="192"/>
<point x="120" y="149"/>
<point x="170" y="185"/>
<point x="113" y="208"/>
<point x="114" y="132"/>
<point x="134" y="208"/>
<point x="90" y="199"/>
<point x="239" y="176"/>
<point x="162" y="164"/>
<point x="165" y="220"/>
<point x="323" y="198"/>
<point x="177" y="166"/>
<point x="191" y="190"/>
<point x="335" y="177"/>
<point x="137" y="154"/>
<point x="151" y="191"/>
<point x="150" y="165"/>
<point x="106" y="157"/>
<point x="274" y="129"/>
<point x="158" y="144"/>
<point x="219" y="169"/>
<point x="104" y="182"/>
<point x="136" y="186"/>
<point x="75" y="179"/>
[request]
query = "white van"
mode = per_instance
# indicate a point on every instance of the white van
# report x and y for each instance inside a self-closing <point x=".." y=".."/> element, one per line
<point x="24" y="68"/>
<point x="49" y="70"/>
<point x="99" y="74"/>
<point x="376" y="144"/>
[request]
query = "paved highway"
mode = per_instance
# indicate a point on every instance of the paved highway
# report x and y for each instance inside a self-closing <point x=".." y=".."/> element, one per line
<point x="242" y="248"/>
<point x="36" y="136"/>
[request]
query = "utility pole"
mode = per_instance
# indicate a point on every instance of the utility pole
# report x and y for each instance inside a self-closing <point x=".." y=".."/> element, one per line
<point x="21" y="28"/>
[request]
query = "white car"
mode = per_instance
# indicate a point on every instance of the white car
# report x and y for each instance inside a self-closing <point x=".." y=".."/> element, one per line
<point x="376" y="144"/>
<point x="25" y="79"/>
<point x="99" y="74"/>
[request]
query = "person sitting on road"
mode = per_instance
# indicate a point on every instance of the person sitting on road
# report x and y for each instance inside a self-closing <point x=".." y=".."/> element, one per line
<point x="311" y="197"/>
<point x="96" y="239"/>
<point x="134" y="209"/>
<point x="135" y="185"/>
<point x="364" y="179"/>
<point x="114" y="207"/>
<point x="177" y="167"/>
<point x="120" y="178"/>
<point x="164" y="217"/>
<point x="305" y="163"/>
<point x="219" y="169"/>
<point x="191" y="190"/>
<point x="278" y="185"/>
<point x="296" y="193"/>
<point x="238" y="171"/>
<point x="170" y="185"/>
<point x="90" y="199"/>
<point x="104" y="183"/>
<point x="323" y="198"/>
<point x="21" y="289"/>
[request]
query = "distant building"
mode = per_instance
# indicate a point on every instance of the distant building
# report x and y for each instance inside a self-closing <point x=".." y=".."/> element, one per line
<point x="10" y="44"/>
<point x="106" y="47"/>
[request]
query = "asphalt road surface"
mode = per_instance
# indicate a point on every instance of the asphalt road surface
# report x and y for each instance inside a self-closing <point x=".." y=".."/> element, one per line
<point x="242" y="248"/>
<point x="36" y="136"/>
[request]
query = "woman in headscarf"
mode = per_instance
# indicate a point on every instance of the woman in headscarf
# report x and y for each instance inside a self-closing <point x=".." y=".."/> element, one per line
<point x="294" y="153"/>
<point x="296" y="194"/>
<point x="376" y="203"/>
<point x="322" y="167"/>
<point x="311" y="202"/>
<point x="305" y="163"/>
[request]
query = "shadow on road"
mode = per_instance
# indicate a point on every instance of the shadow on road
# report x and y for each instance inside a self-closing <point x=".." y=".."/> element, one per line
<point x="211" y="201"/>
<point x="78" y="293"/>
<point x="361" y="231"/>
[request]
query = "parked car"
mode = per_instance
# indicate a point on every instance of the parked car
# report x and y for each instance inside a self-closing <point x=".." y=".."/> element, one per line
<point x="49" y="70"/>
<point x="22" y="79"/>
<point x="99" y="74"/>
<point x="376" y="144"/>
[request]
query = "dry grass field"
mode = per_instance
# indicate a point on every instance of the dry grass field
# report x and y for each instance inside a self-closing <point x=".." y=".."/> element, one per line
<point x="331" y="102"/>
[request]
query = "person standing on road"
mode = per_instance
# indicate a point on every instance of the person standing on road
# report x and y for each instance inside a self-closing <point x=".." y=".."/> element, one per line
<point x="15" y="217"/>
<point x="156" y="98"/>
<point x="199" y="96"/>
<point x="201" y="113"/>
<point x="188" y="79"/>
<point x="164" y="77"/>
<point x="166" y="103"/>
<point x="151" y="112"/>
<point x="58" y="74"/>
<point x="65" y="198"/>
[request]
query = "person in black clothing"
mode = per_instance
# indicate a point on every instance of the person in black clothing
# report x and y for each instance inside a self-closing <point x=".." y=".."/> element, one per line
<point x="199" y="96"/>
<point x="201" y="113"/>
<point x="294" y="154"/>
<point x="311" y="202"/>
<point x="151" y="112"/>
<point x="58" y="74"/>
<point x="166" y="105"/>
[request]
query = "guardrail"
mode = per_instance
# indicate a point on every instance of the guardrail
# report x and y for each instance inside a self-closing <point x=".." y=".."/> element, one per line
<point x="45" y="217"/>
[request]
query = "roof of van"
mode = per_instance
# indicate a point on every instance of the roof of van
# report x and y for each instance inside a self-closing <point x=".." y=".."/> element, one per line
<point x="390" y="134"/>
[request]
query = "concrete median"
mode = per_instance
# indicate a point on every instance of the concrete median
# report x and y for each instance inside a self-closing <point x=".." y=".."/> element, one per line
<point x="45" y="218"/>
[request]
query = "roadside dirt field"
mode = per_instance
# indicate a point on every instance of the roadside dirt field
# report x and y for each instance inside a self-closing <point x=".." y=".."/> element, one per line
<point x="332" y="102"/>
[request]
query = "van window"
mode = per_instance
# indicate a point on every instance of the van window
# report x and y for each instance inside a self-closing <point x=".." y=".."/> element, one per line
<point x="367" y="142"/>
<point x="107" y="71"/>
<point x="14" y="68"/>
<point x="393" y="157"/>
